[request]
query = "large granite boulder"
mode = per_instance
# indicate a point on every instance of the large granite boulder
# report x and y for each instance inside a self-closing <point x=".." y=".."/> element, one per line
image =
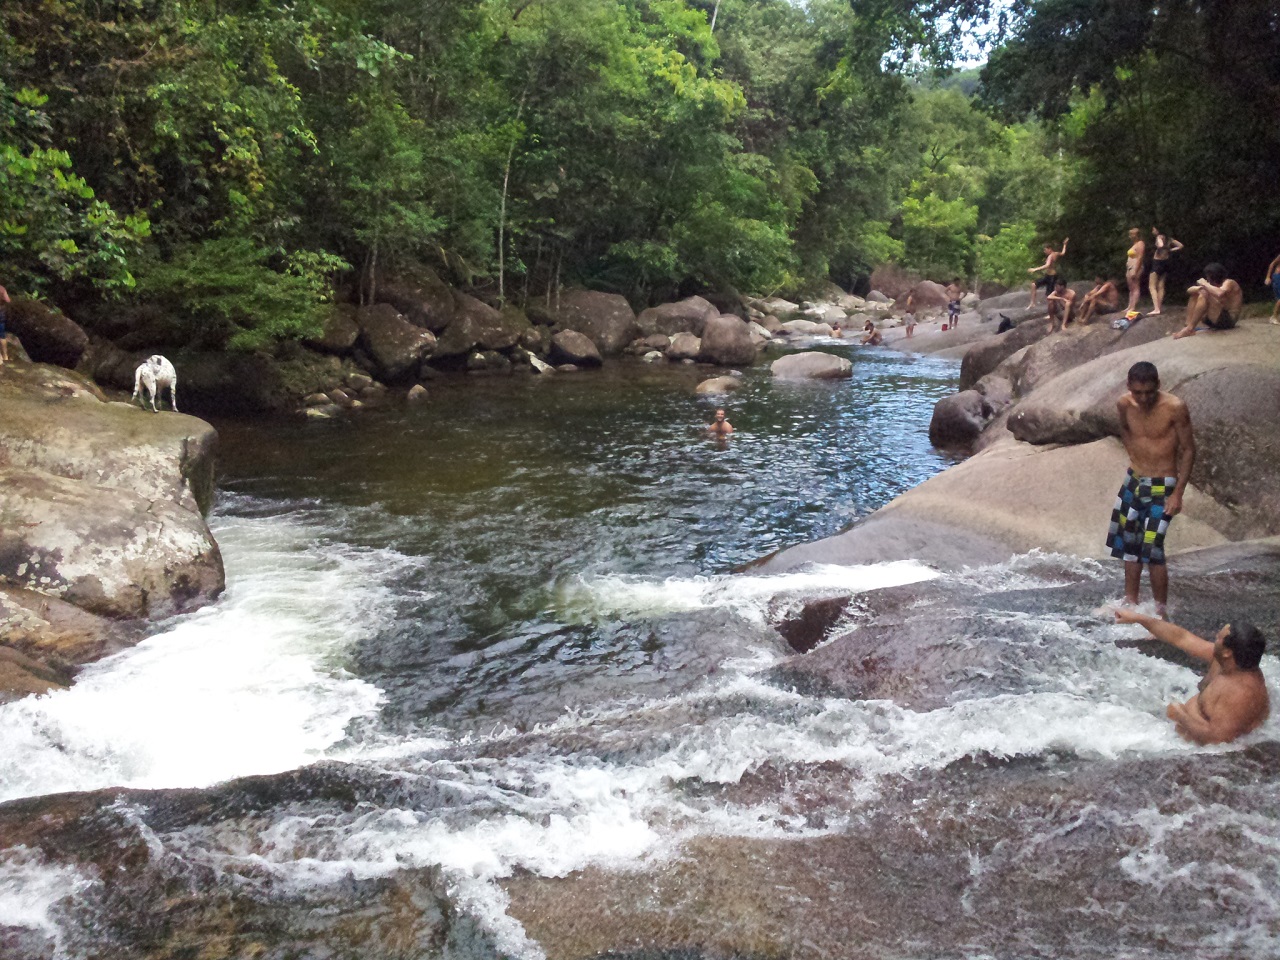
<point x="339" y="333"/>
<point x="606" y="318"/>
<point x="686" y="316"/>
<point x="478" y="326"/>
<point x="220" y="383"/>
<point x="101" y="503"/>
<point x="395" y="346"/>
<point x="726" y="342"/>
<point x="1068" y="349"/>
<point x="987" y="354"/>
<point x="421" y="297"/>
<point x="927" y="293"/>
<point x="569" y="346"/>
<point x="813" y="365"/>
<point x="1231" y="384"/>
<point x="807" y="328"/>
<point x="1010" y="498"/>
<point x="47" y="335"/>
<point x="684" y="346"/>
<point x="958" y="419"/>
<point x="717" y="386"/>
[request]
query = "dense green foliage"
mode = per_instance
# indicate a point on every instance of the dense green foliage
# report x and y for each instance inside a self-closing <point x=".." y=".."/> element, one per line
<point x="232" y="158"/>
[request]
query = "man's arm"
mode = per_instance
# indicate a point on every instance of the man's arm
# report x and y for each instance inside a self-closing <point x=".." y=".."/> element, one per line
<point x="1275" y="265"/>
<point x="1186" y="459"/>
<point x="1169" y="633"/>
<point x="1063" y="251"/>
<point x="4" y="294"/>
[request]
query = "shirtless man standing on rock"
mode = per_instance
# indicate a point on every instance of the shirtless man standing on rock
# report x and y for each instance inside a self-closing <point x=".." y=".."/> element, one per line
<point x="1155" y="428"/>
<point x="1233" y="695"/>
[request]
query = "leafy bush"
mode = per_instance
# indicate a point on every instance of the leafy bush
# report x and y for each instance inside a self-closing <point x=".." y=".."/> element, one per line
<point x="232" y="294"/>
<point x="1005" y="257"/>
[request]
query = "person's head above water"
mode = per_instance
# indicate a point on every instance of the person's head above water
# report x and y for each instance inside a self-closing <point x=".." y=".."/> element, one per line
<point x="720" y="415"/>
<point x="1244" y="642"/>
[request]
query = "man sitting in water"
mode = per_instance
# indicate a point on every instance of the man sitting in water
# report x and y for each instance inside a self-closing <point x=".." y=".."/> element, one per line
<point x="721" y="427"/>
<point x="1213" y="300"/>
<point x="1233" y="695"/>
<point x="873" y="338"/>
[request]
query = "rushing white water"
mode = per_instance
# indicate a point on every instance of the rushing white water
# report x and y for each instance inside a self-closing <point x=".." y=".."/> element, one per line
<point x="620" y="597"/>
<point x="252" y="684"/>
<point x="255" y="684"/>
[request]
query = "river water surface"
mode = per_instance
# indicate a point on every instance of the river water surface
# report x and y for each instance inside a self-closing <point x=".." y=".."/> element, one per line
<point x="508" y="625"/>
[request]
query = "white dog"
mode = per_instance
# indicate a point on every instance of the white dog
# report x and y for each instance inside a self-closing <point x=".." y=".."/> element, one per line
<point x="153" y="375"/>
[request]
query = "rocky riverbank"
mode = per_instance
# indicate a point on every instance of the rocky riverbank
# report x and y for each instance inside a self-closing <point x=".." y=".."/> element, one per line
<point x="1037" y="412"/>
<point x="101" y="523"/>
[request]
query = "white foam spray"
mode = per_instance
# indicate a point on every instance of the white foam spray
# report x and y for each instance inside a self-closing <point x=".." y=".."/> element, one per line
<point x="252" y="684"/>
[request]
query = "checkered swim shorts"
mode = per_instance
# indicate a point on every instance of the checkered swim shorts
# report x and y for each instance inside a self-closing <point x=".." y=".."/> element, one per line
<point x="1138" y="522"/>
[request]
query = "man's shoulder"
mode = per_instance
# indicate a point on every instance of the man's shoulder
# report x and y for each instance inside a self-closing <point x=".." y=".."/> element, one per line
<point x="1173" y="403"/>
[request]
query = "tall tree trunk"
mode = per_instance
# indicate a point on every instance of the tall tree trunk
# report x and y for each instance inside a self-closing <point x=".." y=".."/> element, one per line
<point x="502" y="208"/>
<point x="715" y="13"/>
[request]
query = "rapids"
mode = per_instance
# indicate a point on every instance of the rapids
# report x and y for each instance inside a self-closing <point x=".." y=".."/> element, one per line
<point x="491" y="657"/>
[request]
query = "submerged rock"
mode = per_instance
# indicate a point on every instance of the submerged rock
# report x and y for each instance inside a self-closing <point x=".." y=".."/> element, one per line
<point x="812" y="365"/>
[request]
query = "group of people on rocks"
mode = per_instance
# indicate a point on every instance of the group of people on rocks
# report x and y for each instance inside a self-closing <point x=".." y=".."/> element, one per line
<point x="1213" y="302"/>
<point x="1155" y="428"/>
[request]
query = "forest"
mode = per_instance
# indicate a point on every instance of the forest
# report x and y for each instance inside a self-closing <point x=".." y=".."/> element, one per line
<point x="236" y="162"/>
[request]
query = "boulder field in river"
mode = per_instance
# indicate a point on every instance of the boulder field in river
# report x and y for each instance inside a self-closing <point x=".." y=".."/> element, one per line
<point x="1049" y="464"/>
<point x="102" y="510"/>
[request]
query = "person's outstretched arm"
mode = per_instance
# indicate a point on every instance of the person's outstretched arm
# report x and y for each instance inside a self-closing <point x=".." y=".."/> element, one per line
<point x="1169" y="633"/>
<point x="1063" y="251"/>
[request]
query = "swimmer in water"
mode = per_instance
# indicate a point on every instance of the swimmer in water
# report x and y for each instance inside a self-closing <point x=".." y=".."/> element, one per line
<point x="1233" y="696"/>
<point x="721" y="427"/>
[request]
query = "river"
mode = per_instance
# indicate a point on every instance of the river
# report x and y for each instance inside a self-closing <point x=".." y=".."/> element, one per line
<point x="501" y="648"/>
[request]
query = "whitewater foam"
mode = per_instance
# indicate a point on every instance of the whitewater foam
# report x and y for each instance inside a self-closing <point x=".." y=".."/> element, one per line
<point x="603" y="598"/>
<point x="30" y="890"/>
<point x="252" y="684"/>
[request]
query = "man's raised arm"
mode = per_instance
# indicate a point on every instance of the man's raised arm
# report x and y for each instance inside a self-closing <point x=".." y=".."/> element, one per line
<point x="1169" y="633"/>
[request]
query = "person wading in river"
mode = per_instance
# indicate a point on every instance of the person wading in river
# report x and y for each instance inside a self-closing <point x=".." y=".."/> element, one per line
<point x="1233" y="695"/>
<point x="721" y="427"/>
<point x="1156" y="430"/>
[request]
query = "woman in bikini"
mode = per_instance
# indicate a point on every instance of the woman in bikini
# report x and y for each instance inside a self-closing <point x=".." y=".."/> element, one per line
<point x="1133" y="266"/>
<point x="1161" y="248"/>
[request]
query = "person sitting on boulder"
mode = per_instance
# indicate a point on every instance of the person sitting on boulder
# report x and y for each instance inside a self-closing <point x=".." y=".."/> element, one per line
<point x="1233" y="698"/>
<point x="872" y="338"/>
<point x="720" y="427"/>
<point x="1213" y="300"/>
<point x="1104" y="298"/>
<point x="1061" y="302"/>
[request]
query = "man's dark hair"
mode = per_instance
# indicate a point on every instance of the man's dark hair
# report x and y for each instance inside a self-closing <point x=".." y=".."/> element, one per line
<point x="1060" y="284"/>
<point x="1215" y="273"/>
<point x="1246" y="643"/>
<point x="1144" y="371"/>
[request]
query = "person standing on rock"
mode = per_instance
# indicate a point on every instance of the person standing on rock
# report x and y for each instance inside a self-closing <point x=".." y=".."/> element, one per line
<point x="955" y="291"/>
<point x="1134" y="258"/>
<point x="1273" y="281"/>
<point x="720" y="427"/>
<point x="1155" y="428"/>
<point x="4" y="334"/>
<point x="1213" y="300"/>
<point x="1162" y="247"/>
<point x="1233" y="699"/>
<point x="1050" y="269"/>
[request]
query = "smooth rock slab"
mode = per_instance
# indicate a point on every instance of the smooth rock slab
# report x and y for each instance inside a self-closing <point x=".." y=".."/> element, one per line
<point x="717" y="385"/>
<point x="813" y="365"/>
